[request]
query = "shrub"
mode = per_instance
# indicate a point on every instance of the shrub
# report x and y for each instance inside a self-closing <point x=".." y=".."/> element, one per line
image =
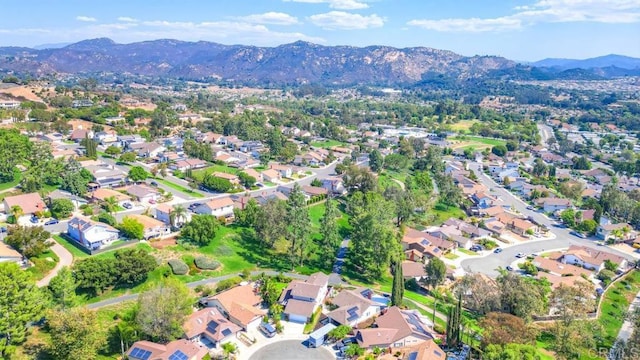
<point x="228" y="283"/>
<point x="178" y="267"/>
<point x="205" y="263"/>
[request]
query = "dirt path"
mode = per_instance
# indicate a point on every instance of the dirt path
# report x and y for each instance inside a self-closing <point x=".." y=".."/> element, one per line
<point x="65" y="260"/>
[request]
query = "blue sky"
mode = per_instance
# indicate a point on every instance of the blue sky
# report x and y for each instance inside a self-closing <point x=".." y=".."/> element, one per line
<point x="517" y="29"/>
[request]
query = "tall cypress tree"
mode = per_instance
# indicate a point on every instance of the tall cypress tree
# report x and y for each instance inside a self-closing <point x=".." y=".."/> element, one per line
<point x="453" y="324"/>
<point x="397" y="291"/>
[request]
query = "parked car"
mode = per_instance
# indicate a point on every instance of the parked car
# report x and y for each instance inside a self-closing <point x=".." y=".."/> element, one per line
<point x="497" y="250"/>
<point x="476" y="248"/>
<point x="127" y="205"/>
<point x="530" y="207"/>
<point x="3" y="229"/>
<point x="153" y="183"/>
<point x="267" y="330"/>
<point x="52" y="222"/>
<point x="509" y="268"/>
<point x="151" y="201"/>
<point x="193" y="206"/>
<point x="520" y="255"/>
<point x="260" y="185"/>
<point x="34" y="219"/>
<point x="578" y="234"/>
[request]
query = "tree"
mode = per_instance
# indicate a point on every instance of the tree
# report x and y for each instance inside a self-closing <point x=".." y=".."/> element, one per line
<point x="436" y="271"/>
<point x="74" y="179"/>
<point x="14" y="149"/>
<point x="217" y="184"/>
<point x="30" y="241"/>
<point x="375" y="160"/>
<point x="137" y="174"/>
<point x="298" y="220"/>
<point x="246" y="180"/>
<point x="568" y="217"/>
<point x="113" y="150"/>
<point x="127" y="157"/>
<point x="63" y="288"/>
<point x="482" y="294"/>
<point x="229" y="348"/>
<point x="502" y="329"/>
<point x="357" y="178"/>
<point x="200" y="230"/>
<point x="372" y="237"/>
<point x="133" y="266"/>
<point x="329" y="233"/>
<point x="16" y="212"/>
<point x="271" y="222"/>
<point x="453" y="334"/>
<point x="581" y="163"/>
<point x="107" y="218"/>
<point x="21" y="303"/>
<point x="178" y="215"/>
<point x="249" y="215"/>
<point x="161" y="312"/>
<point x="90" y="147"/>
<point x="339" y="332"/>
<point x="397" y="291"/>
<point x="132" y="228"/>
<point x="588" y="226"/>
<point x="570" y="304"/>
<point x="316" y="182"/>
<point x="511" y="352"/>
<point x="499" y="150"/>
<point x="269" y="291"/>
<point x="353" y="350"/>
<point x="62" y="208"/>
<point x="75" y="334"/>
<point x="95" y="274"/>
<point x="395" y="162"/>
<point x="522" y="296"/>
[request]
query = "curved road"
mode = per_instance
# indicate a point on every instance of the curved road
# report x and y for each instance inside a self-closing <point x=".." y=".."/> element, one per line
<point x="489" y="263"/>
<point x="65" y="260"/>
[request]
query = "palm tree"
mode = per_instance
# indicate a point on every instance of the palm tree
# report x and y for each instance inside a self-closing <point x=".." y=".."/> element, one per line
<point x="110" y="204"/>
<point x="16" y="211"/>
<point x="438" y="295"/>
<point x="179" y="213"/>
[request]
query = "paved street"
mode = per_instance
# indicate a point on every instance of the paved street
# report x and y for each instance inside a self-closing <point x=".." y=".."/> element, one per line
<point x="563" y="239"/>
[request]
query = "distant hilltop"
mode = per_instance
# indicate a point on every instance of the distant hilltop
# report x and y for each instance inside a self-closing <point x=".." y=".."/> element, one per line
<point x="296" y="63"/>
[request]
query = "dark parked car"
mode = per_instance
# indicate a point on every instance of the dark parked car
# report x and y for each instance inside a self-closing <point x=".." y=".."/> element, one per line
<point x="52" y="222"/>
<point x="497" y="250"/>
<point x="127" y="205"/>
<point x="3" y="229"/>
<point x="34" y="219"/>
<point x="153" y="183"/>
<point x="578" y="234"/>
<point x="509" y="268"/>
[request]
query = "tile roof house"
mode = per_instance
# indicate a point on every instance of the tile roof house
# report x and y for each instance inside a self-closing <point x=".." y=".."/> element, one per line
<point x="557" y="268"/>
<point x="428" y="245"/>
<point x="240" y="304"/>
<point x="395" y="329"/>
<point x="7" y="253"/>
<point x="102" y="194"/>
<point x="608" y="231"/>
<point x="218" y="207"/>
<point x="152" y="228"/>
<point x="354" y="306"/>
<point x="412" y="269"/>
<point x="163" y="213"/>
<point x="427" y="350"/>
<point x="552" y="204"/>
<point x="30" y="205"/>
<point x="271" y="175"/>
<point x="591" y="258"/>
<point x="208" y="325"/>
<point x="284" y="170"/>
<point x="233" y="179"/>
<point x="143" y="193"/>
<point x="557" y="280"/>
<point x="90" y="234"/>
<point x="302" y="298"/>
<point x="175" y="350"/>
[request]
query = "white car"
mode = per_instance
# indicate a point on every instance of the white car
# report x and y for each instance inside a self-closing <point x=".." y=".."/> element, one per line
<point x="520" y="255"/>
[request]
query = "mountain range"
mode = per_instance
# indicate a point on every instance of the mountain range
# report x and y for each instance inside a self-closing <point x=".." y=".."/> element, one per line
<point x="612" y="60"/>
<point x="296" y="63"/>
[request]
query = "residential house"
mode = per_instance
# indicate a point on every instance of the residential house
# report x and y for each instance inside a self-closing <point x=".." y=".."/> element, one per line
<point x="396" y="329"/>
<point x="311" y="158"/>
<point x="9" y="254"/>
<point x="552" y="204"/>
<point x="620" y="232"/>
<point x="427" y="245"/>
<point x="106" y="138"/>
<point x="105" y="175"/>
<point x="79" y="134"/>
<point x="312" y="191"/>
<point x="522" y="227"/>
<point x="100" y="195"/>
<point x="91" y="234"/>
<point x="483" y="200"/>
<point x="590" y="258"/>
<point x="126" y="141"/>
<point x="558" y="268"/>
<point x="413" y="270"/>
<point x="209" y="328"/>
<point x="354" y="307"/>
<point x="30" y="205"/>
<point x="271" y="175"/>
<point x="334" y="185"/>
<point x="284" y="170"/>
<point x="210" y="138"/>
<point x="233" y="179"/>
<point x="176" y="350"/>
<point x="301" y="298"/>
<point x="469" y="230"/>
<point x="186" y="164"/>
<point x="163" y="213"/>
<point x="241" y="305"/>
<point x="427" y="350"/>
<point x="152" y="228"/>
<point x="218" y="207"/>
<point x="143" y="193"/>
<point x="254" y="174"/>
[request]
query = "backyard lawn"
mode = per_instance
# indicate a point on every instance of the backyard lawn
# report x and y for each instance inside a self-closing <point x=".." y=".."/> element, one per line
<point x="180" y="188"/>
<point x="201" y="173"/>
<point x="8" y="185"/>
<point x="326" y="143"/>
<point x="474" y="142"/>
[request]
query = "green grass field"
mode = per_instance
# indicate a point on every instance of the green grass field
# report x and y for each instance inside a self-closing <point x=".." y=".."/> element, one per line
<point x="463" y="125"/>
<point x="326" y="143"/>
<point x="474" y="142"/>
<point x="180" y="188"/>
<point x="615" y="303"/>
<point x="202" y="173"/>
<point x="43" y="264"/>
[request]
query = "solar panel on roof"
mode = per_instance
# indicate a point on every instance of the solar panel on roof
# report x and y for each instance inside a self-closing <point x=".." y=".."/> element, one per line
<point x="140" y="353"/>
<point x="212" y="326"/>
<point x="353" y="313"/>
<point x="226" y="332"/>
<point x="178" y="355"/>
<point x="425" y="242"/>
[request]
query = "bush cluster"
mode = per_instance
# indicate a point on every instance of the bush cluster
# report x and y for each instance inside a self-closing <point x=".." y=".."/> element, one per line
<point x="178" y="267"/>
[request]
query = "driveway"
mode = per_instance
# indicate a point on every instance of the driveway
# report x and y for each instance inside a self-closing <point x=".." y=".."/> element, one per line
<point x="289" y="350"/>
<point x="65" y="260"/>
<point x="563" y="238"/>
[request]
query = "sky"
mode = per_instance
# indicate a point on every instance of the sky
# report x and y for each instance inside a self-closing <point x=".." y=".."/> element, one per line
<point x="524" y="30"/>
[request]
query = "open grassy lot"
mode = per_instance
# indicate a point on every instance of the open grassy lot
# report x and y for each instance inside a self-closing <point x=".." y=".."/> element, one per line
<point x="463" y="125"/>
<point x="615" y="303"/>
<point x="326" y="143"/>
<point x="180" y="188"/>
<point x="474" y="142"/>
<point x="43" y="264"/>
<point x="202" y="173"/>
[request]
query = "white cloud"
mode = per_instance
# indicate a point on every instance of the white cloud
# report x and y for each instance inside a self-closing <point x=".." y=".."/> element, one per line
<point x="274" y="18"/>
<point x="541" y="11"/>
<point x="86" y="18"/>
<point x="341" y="20"/>
<point x="336" y="4"/>
<point x="127" y="19"/>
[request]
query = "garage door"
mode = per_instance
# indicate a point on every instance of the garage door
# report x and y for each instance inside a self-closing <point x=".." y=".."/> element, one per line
<point x="301" y="319"/>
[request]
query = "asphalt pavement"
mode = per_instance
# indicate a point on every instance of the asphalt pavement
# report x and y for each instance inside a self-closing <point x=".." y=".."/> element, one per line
<point x="563" y="239"/>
